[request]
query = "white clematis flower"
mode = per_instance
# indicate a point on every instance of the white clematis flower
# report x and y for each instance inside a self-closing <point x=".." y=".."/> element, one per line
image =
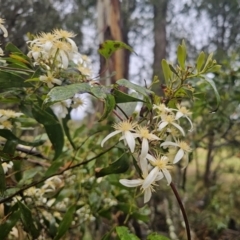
<point x="144" y="134"/>
<point x="60" y="108"/>
<point x="161" y="167"/>
<point x="127" y="129"/>
<point x="147" y="189"/>
<point x="169" y="119"/>
<point x="50" y="80"/>
<point x="183" y="112"/>
<point x="184" y="149"/>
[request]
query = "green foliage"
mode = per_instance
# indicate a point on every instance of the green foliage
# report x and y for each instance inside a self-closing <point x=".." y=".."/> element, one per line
<point x="107" y="48"/>
<point x="155" y="236"/>
<point x="121" y="165"/>
<point x="123" y="234"/>
<point x="63" y="180"/>
<point x="65" y="223"/>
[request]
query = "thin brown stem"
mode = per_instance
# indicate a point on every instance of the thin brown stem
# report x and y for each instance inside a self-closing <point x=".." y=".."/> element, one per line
<point x="182" y="210"/>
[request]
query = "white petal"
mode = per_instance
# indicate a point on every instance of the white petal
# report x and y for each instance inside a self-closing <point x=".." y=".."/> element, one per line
<point x="150" y="178"/>
<point x="167" y="175"/>
<point x="145" y="147"/>
<point x="190" y="123"/>
<point x="131" y="183"/>
<point x="179" y="128"/>
<point x="109" y="136"/>
<point x="168" y="143"/>
<point x="57" y="81"/>
<point x="159" y="176"/>
<point x="151" y="158"/>
<point x="147" y="195"/>
<point x="130" y="140"/>
<point x="178" y="156"/>
<point x="178" y="115"/>
<point x="64" y="59"/>
<point x="144" y="166"/>
<point x="162" y="125"/>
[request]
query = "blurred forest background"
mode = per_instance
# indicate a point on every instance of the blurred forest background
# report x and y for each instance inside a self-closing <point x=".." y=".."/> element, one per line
<point x="211" y="183"/>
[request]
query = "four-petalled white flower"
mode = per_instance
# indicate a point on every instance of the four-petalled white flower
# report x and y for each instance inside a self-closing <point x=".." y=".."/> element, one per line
<point x="127" y="129"/>
<point x="184" y="149"/>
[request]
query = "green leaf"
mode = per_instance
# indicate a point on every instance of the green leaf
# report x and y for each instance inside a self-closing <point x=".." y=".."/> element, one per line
<point x="119" y="166"/>
<point x="27" y="220"/>
<point x="12" y="80"/>
<point x="53" y="168"/>
<point x="65" y="223"/>
<point x="181" y="55"/>
<point x="124" y="234"/>
<point x="121" y="97"/>
<point x="107" y="48"/>
<point x="109" y="105"/>
<point x="215" y="68"/>
<point x="212" y="84"/>
<point x="156" y="236"/>
<point x="208" y="62"/>
<point x="7" y="134"/>
<point x="9" y="149"/>
<point x="7" y="226"/>
<point x="142" y="90"/>
<point x="166" y="71"/>
<point x="99" y="91"/>
<point x="12" y="48"/>
<point x="61" y="93"/>
<point x="200" y="61"/>
<point x="52" y="127"/>
<point x="2" y="180"/>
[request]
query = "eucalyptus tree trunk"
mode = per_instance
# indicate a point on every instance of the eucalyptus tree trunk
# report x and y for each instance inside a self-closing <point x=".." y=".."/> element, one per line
<point x="109" y="23"/>
<point x="160" y="40"/>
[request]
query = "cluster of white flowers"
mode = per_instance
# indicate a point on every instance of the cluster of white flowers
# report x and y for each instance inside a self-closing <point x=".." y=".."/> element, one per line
<point x="6" y="166"/>
<point x="84" y="214"/>
<point x="7" y="118"/>
<point x="54" y="52"/>
<point x="152" y="144"/>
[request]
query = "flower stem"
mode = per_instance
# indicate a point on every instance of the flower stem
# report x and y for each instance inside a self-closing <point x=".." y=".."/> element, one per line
<point x="182" y="210"/>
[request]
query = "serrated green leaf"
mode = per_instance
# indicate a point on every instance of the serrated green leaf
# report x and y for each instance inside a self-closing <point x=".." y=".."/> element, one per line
<point x="119" y="166"/>
<point x="7" y="134"/>
<point x="200" y="61"/>
<point x="62" y="93"/>
<point x="156" y="236"/>
<point x="124" y="234"/>
<point x="181" y="56"/>
<point x="27" y="220"/>
<point x="212" y="84"/>
<point x="166" y="71"/>
<point x="142" y="90"/>
<point x="109" y="105"/>
<point x="107" y="48"/>
<point x="7" y="226"/>
<point x="65" y="223"/>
